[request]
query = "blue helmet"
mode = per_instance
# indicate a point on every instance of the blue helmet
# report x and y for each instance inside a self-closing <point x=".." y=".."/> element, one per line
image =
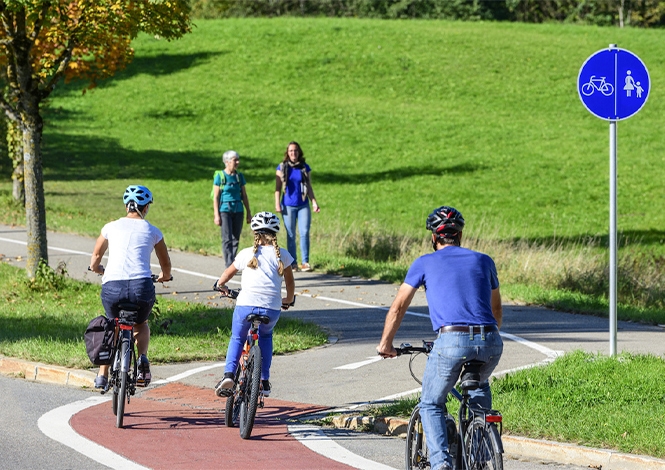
<point x="137" y="193"/>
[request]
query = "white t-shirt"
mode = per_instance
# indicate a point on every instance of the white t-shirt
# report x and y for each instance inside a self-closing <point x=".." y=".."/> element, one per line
<point x="261" y="287"/>
<point x="131" y="242"/>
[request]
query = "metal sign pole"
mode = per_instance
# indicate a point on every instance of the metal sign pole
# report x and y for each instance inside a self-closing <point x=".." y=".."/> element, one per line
<point x="613" y="84"/>
<point x="613" y="238"/>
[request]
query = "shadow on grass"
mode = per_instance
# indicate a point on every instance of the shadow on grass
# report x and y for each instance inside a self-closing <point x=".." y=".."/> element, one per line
<point x="624" y="239"/>
<point x="395" y="174"/>
<point x="75" y="158"/>
<point x="157" y="66"/>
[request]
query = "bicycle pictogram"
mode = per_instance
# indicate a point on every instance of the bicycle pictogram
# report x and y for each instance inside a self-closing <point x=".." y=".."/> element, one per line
<point x="597" y="84"/>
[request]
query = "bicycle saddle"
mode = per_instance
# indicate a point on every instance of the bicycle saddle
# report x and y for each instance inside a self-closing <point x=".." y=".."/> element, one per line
<point x="265" y="319"/>
<point x="132" y="307"/>
<point x="470" y="379"/>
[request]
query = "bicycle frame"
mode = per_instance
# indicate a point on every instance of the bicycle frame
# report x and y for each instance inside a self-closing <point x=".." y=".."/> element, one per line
<point x="476" y="427"/>
<point x="124" y="369"/>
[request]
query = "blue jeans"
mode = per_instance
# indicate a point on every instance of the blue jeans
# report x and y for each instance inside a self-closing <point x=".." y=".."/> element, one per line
<point x="301" y="215"/>
<point x="239" y="330"/>
<point x="444" y="365"/>
<point x="138" y="291"/>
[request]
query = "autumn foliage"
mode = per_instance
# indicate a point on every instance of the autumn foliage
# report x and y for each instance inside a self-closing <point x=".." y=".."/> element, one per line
<point x="44" y="41"/>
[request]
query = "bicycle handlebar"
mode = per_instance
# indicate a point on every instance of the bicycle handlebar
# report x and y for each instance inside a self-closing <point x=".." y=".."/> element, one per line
<point x="406" y="348"/>
<point x="154" y="277"/>
<point x="233" y="294"/>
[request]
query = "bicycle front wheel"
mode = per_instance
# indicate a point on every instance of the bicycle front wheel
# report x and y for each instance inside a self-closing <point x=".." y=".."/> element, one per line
<point x="250" y="397"/>
<point x="482" y="446"/>
<point x="416" y="449"/>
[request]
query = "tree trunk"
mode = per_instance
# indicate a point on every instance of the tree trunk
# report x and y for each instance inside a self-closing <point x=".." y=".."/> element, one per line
<point x="35" y="207"/>
<point x="18" y="186"/>
<point x="15" y="151"/>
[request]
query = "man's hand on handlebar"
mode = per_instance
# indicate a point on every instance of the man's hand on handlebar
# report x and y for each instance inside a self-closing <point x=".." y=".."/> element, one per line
<point x="386" y="352"/>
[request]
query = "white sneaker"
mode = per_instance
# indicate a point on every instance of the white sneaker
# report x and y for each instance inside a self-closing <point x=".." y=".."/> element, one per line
<point x="225" y="387"/>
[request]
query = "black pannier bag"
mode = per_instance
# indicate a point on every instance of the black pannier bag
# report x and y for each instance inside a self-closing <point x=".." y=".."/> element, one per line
<point x="99" y="340"/>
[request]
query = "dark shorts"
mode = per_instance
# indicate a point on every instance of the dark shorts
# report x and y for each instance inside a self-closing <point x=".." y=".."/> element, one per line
<point x="138" y="291"/>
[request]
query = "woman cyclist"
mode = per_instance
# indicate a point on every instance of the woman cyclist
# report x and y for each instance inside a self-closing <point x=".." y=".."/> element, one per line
<point x="127" y="276"/>
<point x="260" y="293"/>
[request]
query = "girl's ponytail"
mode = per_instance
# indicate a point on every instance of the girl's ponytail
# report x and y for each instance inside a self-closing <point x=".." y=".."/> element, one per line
<point x="280" y="264"/>
<point x="254" y="262"/>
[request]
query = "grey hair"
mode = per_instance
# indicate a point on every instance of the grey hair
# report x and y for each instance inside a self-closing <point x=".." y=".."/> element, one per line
<point x="229" y="155"/>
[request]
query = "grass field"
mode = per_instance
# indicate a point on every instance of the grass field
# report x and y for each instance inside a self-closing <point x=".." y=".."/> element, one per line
<point x="590" y="400"/>
<point x="46" y="322"/>
<point x="395" y="118"/>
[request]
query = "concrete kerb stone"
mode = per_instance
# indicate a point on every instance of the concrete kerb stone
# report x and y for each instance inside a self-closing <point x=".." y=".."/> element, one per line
<point x="522" y="447"/>
<point x="39" y="372"/>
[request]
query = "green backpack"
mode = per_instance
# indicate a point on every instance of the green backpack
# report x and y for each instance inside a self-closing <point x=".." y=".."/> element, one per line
<point x="222" y="176"/>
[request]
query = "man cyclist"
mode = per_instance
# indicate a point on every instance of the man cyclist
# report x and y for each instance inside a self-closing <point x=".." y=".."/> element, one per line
<point x="127" y="276"/>
<point x="464" y="302"/>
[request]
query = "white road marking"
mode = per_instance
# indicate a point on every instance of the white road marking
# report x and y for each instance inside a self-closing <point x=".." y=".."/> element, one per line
<point x="55" y="424"/>
<point x="356" y="365"/>
<point x="177" y="377"/>
<point x="315" y="440"/>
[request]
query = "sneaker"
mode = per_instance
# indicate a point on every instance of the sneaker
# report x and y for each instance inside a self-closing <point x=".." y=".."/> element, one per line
<point x="295" y="268"/>
<point x="224" y="387"/>
<point x="305" y="267"/>
<point x="101" y="382"/>
<point x="265" y="386"/>
<point x="144" y="376"/>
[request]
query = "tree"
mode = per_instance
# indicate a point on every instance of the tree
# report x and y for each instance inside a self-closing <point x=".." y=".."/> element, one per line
<point x="44" y="41"/>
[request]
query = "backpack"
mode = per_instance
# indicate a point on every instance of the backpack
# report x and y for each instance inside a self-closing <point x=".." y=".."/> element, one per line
<point x="99" y="340"/>
<point x="222" y="176"/>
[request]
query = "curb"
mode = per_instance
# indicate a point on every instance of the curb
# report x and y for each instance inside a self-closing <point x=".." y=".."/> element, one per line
<point x="38" y="372"/>
<point x="515" y="446"/>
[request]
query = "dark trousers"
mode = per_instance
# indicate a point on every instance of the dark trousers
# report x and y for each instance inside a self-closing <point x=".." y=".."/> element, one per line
<point x="231" y="228"/>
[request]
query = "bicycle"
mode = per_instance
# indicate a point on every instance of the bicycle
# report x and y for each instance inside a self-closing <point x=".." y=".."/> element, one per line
<point x="474" y="441"/>
<point x="247" y="396"/>
<point x="597" y="84"/>
<point x="123" y="375"/>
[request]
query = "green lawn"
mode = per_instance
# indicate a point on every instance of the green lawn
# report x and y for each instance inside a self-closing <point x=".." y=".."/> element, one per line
<point x="395" y="118"/>
<point x="591" y="400"/>
<point x="46" y="322"/>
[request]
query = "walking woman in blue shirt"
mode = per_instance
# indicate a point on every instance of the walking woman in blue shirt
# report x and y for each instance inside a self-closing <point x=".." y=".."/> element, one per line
<point x="293" y="176"/>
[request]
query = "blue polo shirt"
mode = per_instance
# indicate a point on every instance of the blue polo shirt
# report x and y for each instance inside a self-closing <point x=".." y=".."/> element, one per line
<point x="458" y="285"/>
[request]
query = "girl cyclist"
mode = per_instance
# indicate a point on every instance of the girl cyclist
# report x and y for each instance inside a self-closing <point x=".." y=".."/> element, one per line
<point x="127" y="276"/>
<point x="260" y="293"/>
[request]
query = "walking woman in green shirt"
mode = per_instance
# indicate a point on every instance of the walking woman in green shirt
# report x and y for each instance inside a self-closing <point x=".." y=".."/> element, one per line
<point x="229" y="196"/>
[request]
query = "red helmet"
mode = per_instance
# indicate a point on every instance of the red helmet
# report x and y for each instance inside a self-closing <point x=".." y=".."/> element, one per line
<point x="445" y="221"/>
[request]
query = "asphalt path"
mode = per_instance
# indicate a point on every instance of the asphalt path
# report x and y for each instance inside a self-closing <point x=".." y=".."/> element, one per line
<point x="346" y="373"/>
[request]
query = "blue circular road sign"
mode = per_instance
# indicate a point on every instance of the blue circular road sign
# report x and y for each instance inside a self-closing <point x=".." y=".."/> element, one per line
<point x="613" y="84"/>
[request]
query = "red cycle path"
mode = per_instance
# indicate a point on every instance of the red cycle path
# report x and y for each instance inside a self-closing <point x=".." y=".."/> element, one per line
<point x="178" y="426"/>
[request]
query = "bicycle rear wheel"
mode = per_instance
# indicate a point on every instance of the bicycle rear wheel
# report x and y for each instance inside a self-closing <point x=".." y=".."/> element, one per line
<point x="416" y="449"/>
<point x="250" y="397"/>
<point x="124" y="383"/>
<point x="114" y="401"/>
<point x="114" y="375"/>
<point x="232" y="404"/>
<point x="482" y="446"/>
